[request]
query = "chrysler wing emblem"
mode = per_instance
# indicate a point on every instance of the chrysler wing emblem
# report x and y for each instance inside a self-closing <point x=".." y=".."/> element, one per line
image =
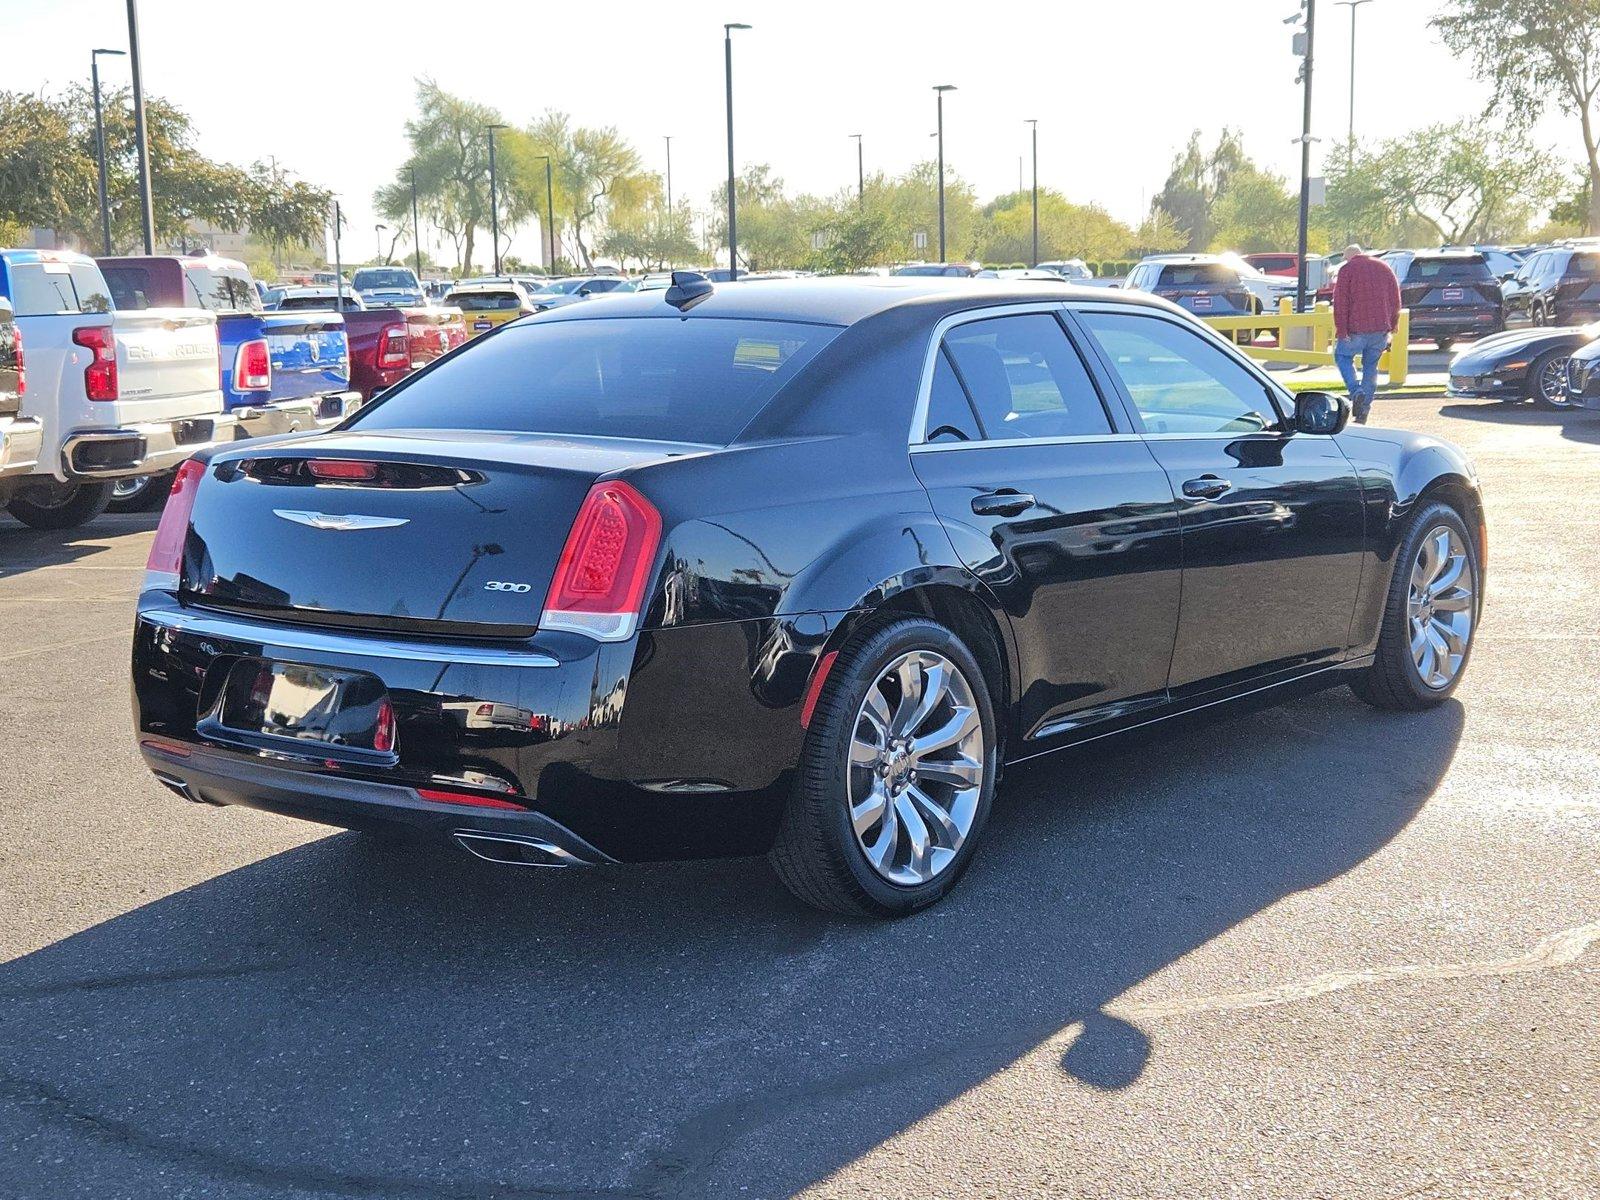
<point x="338" y="521"/>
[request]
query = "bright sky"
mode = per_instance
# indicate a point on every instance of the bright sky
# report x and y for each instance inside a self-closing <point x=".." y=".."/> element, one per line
<point x="326" y="85"/>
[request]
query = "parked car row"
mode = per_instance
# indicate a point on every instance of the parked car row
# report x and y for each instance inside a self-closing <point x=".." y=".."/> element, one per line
<point x="126" y="366"/>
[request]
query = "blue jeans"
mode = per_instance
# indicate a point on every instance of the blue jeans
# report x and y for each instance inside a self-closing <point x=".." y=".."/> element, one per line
<point x="1370" y="346"/>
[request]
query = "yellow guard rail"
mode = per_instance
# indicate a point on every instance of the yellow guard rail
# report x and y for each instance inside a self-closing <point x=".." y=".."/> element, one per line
<point x="1306" y="339"/>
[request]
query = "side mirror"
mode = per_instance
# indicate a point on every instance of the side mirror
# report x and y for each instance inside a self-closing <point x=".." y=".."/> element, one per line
<point x="583" y="291"/>
<point x="1321" y="412"/>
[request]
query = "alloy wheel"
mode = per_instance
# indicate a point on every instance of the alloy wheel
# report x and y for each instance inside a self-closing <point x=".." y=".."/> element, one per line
<point x="1551" y="385"/>
<point x="1441" y="606"/>
<point x="916" y="767"/>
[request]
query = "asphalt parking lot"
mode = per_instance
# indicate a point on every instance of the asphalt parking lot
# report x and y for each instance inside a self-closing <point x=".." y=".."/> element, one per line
<point x="1310" y="951"/>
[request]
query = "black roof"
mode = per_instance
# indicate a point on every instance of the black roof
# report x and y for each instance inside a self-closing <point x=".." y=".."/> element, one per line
<point x="835" y="300"/>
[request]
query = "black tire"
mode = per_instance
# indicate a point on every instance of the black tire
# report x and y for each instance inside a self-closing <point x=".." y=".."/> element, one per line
<point x="149" y="495"/>
<point x="59" y="506"/>
<point x="1535" y="389"/>
<point x="817" y="854"/>
<point x="1538" y="314"/>
<point x="1393" y="681"/>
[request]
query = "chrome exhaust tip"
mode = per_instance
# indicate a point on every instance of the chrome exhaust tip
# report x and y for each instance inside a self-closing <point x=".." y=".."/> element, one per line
<point x="516" y="850"/>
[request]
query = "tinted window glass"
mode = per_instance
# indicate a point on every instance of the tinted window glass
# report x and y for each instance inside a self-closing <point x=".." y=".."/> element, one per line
<point x="1448" y="270"/>
<point x="950" y="417"/>
<point x="1197" y="275"/>
<point x="130" y="286"/>
<point x="485" y="301"/>
<point x="1025" y="379"/>
<point x="40" y="289"/>
<point x="1179" y="382"/>
<point x="1586" y="265"/>
<point x="221" y="290"/>
<point x="664" y="379"/>
<point x="384" y="277"/>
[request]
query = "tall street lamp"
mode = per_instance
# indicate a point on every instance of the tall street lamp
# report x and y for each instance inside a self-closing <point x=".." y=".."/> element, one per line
<point x="100" y="146"/>
<point x="861" y="173"/>
<point x="733" y="219"/>
<point x="549" y="213"/>
<point x="939" y="91"/>
<point x="1305" y="157"/>
<point x="669" y="172"/>
<point x="1031" y="121"/>
<point x="494" y="200"/>
<point x="141" y="133"/>
<point x="1352" y="5"/>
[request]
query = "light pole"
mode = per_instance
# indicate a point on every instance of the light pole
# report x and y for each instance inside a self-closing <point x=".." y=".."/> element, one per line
<point x="1352" y="5"/>
<point x="1305" y="157"/>
<point x="733" y="219"/>
<point x="669" y="172"/>
<point x="939" y="91"/>
<point x="416" y="226"/>
<point x="861" y="174"/>
<point x="141" y="134"/>
<point x="1031" y="121"/>
<point x="100" y="146"/>
<point x="549" y="212"/>
<point x="377" y="231"/>
<point x="494" y="200"/>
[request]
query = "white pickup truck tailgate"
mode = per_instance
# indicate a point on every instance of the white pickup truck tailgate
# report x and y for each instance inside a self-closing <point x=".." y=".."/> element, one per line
<point x="166" y="364"/>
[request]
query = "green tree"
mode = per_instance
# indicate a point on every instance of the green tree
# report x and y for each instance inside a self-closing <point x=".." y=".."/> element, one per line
<point x="1066" y="230"/>
<point x="1533" y="53"/>
<point x="1257" y="212"/>
<point x="596" y="171"/>
<point x="1197" y="181"/>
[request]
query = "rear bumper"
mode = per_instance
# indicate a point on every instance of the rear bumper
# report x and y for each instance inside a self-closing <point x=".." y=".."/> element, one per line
<point x="293" y="416"/>
<point x="21" y="443"/>
<point x="146" y="449"/>
<point x="1426" y="324"/>
<point x="533" y="731"/>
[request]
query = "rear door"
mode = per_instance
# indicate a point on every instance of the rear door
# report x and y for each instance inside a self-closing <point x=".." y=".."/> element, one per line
<point x="166" y="364"/>
<point x="1272" y="520"/>
<point x="309" y="351"/>
<point x="1051" y="499"/>
<point x="1455" y="293"/>
<point x="1205" y="289"/>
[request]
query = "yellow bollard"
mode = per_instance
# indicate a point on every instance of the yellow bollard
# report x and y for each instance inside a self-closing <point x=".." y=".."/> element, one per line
<point x="1396" y="361"/>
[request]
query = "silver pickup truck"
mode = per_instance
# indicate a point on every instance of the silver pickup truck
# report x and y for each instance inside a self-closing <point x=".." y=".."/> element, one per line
<point x="112" y="393"/>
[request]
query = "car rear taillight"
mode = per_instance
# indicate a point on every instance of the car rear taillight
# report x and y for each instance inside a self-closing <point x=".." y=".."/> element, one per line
<point x="100" y="376"/>
<point x="394" y="348"/>
<point x="342" y="470"/>
<point x="166" y="551"/>
<point x="252" y="367"/>
<point x="600" y="578"/>
<point x="383" y="727"/>
<point x="22" y="373"/>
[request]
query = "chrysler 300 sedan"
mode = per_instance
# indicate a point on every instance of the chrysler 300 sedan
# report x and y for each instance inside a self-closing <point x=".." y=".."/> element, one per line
<point x="792" y="570"/>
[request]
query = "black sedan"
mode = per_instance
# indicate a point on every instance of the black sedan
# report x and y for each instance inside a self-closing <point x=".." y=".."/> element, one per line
<point x="794" y="570"/>
<point x="1520" y="365"/>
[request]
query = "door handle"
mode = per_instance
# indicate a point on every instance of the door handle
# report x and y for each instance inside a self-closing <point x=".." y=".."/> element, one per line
<point x="1007" y="502"/>
<point x="1207" y="487"/>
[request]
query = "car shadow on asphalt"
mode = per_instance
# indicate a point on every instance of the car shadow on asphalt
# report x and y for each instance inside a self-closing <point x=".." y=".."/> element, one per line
<point x="1578" y="425"/>
<point x="356" y="1019"/>
<point x="23" y="549"/>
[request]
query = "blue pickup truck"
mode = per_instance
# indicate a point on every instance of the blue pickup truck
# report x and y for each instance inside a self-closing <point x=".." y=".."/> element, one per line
<point x="281" y="371"/>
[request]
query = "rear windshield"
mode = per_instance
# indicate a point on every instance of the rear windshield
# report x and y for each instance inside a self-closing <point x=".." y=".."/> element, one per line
<point x="316" y="303"/>
<point x="1271" y="262"/>
<point x="485" y="301"/>
<point x="1197" y="275"/>
<point x="385" y="277"/>
<point x="1587" y="265"/>
<point x="130" y="286"/>
<point x="43" y="288"/>
<point x="1448" y="270"/>
<point x="221" y="290"/>
<point x="659" y="379"/>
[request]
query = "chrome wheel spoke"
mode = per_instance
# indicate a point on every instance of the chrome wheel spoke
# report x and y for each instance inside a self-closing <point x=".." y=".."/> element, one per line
<point x="1441" y="606"/>
<point x="1449" y="576"/>
<point x="1455" y="600"/>
<point x="916" y="767"/>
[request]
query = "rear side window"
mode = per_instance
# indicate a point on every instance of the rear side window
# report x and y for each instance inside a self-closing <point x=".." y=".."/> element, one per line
<point x="662" y="379"/>
<point x="1586" y="265"/>
<point x="221" y="290"/>
<point x="1025" y="379"/>
<point x="950" y="416"/>
<point x="46" y="288"/>
<point x="1448" y="270"/>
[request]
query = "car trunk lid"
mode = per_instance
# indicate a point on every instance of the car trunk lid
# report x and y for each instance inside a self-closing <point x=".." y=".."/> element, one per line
<point x="455" y="532"/>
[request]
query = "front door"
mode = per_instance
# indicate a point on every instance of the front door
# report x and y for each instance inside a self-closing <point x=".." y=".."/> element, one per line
<point x="1272" y="519"/>
<point x="1062" y="510"/>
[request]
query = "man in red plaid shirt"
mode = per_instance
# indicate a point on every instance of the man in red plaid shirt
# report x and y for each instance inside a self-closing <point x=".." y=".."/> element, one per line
<point x="1366" y="308"/>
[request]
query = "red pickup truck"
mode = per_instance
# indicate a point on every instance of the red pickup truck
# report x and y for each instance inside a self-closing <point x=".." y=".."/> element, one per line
<point x="387" y="344"/>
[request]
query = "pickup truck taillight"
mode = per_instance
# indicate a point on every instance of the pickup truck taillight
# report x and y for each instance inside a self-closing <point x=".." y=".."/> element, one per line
<point x="22" y="374"/>
<point x="100" y="376"/>
<point x="252" y="367"/>
<point x="394" y="348"/>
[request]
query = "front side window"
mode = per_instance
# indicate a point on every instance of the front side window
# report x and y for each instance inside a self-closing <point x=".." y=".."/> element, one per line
<point x="1179" y="381"/>
<point x="1025" y="379"/>
<point x="658" y="379"/>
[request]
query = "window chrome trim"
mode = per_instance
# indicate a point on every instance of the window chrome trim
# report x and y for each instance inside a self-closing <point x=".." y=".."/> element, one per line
<point x="919" y="417"/>
<point x="290" y="637"/>
<point x="1080" y="439"/>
